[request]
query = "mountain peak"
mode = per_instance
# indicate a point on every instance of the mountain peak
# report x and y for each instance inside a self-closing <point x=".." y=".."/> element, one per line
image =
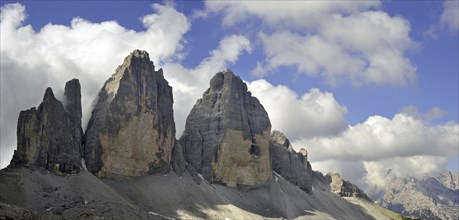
<point x="133" y="114"/>
<point x="48" y="94"/>
<point x="226" y="135"/>
<point x="138" y="55"/>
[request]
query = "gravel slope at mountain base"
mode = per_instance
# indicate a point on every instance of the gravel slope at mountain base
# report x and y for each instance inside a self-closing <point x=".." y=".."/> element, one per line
<point x="376" y="211"/>
<point x="85" y="196"/>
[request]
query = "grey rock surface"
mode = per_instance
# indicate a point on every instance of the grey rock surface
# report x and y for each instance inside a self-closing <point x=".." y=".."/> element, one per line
<point x="131" y="131"/>
<point x="321" y="181"/>
<point x="178" y="162"/>
<point x="449" y="179"/>
<point x="72" y="94"/>
<point x="344" y="188"/>
<point x="293" y="166"/>
<point x="226" y="136"/>
<point x="427" y="197"/>
<point x="51" y="135"/>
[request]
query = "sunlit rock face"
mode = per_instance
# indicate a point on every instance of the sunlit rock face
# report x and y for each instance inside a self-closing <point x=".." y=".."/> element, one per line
<point x="131" y="131"/>
<point x="51" y="135"/>
<point x="226" y="135"/>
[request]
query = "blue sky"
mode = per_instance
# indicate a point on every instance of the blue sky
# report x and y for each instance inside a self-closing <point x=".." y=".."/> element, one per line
<point x="384" y="71"/>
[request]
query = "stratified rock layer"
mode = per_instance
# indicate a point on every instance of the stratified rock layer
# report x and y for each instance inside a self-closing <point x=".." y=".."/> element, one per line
<point x="226" y="136"/>
<point x="131" y="131"/>
<point x="293" y="166"/>
<point x="51" y="135"/>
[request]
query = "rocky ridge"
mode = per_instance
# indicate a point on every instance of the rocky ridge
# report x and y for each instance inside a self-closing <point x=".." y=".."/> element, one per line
<point x="427" y="197"/>
<point x="51" y="135"/>
<point x="449" y="179"/>
<point x="293" y="166"/>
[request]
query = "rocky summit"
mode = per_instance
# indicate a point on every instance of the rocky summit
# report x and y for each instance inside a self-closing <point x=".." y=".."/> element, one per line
<point x="293" y="166"/>
<point x="226" y="135"/>
<point x="51" y="135"/>
<point x="131" y="131"/>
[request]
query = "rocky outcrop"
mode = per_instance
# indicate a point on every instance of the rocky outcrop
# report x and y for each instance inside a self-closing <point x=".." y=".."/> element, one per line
<point x="293" y="166"/>
<point x="226" y="135"/>
<point x="178" y="162"/>
<point x="344" y="188"/>
<point x="320" y="182"/>
<point x="131" y="131"/>
<point x="51" y="135"/>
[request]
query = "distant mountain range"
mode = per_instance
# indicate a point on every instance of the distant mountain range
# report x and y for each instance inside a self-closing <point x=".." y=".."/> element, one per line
<point x="429" y="197"/>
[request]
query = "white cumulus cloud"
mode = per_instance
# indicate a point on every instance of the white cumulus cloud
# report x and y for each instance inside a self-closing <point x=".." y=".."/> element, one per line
<point x="284" y="13"/>
<point x="312" y="114"/>
<point x="407" y="145"/>
<point x="379" y="137"/>
<point x="342" y="42"/>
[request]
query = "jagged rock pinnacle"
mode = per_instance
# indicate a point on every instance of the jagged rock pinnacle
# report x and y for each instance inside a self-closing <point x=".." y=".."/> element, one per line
<point x="48" y="94"/>
<point x="50" y="136"/>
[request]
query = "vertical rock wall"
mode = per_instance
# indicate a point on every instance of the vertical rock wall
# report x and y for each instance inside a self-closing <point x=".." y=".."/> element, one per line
<point x="51" y="135"/>
<point x="131" y="131"/>
<point x="294" y="167"/>
<point x="226" y="136"/>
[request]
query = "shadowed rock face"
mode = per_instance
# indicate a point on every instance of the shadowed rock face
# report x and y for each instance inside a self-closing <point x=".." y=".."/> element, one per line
<point x="51" y="135"/>
<point x="132" y="131"/>
<point x="294" y="167"/>
<point x="226" y="136"/>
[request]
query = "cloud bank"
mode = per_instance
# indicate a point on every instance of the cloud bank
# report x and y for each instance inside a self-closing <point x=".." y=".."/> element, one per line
<point x="407" y="145"/>
<point x="313" y="114"/>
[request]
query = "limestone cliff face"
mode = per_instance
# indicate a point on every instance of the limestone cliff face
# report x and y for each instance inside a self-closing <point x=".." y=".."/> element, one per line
<point x="226" y="135"/>
<point x="294" y="167"/>
<point x="131" y="131"/>
<point x="51" y="135"/>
